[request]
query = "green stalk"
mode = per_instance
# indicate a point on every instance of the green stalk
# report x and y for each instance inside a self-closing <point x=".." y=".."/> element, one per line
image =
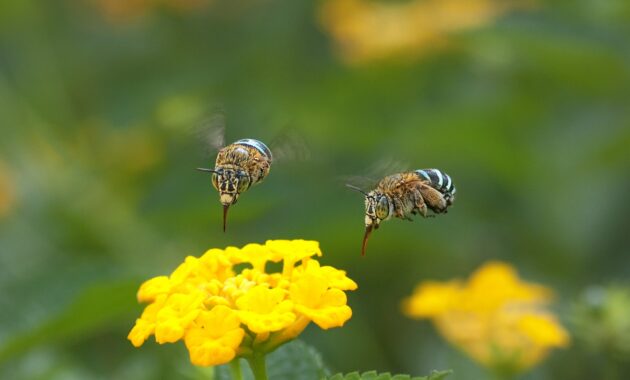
<point x="235" y="369"/>
<point x="496" y="375"/>
<point x="257" y="364"/>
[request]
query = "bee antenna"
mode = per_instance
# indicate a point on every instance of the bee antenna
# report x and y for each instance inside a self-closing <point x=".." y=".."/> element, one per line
<point x="356" y="189"/>
<point x="206" y="170"/>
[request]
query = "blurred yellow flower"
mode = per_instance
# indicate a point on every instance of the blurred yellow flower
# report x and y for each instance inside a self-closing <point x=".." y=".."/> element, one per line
<point x="497" y="319"/>
<point x="221" y="314"/>
<point x="368" y="30"/>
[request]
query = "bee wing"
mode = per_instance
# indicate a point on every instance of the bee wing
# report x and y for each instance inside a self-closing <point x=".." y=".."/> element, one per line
<point x="374" y="174"/>
<point x="359" y="183"/>
<point x="289" y="144"/>
<point x="210" y="131"/>
<point x="386" y="166"/>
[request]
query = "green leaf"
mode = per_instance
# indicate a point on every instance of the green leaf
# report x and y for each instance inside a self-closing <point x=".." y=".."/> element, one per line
<point x="96" y="307"/>
<point x="296" y="360"/>
<point x="293" y="361"/>
<point x="439" y="375"/>
<point x="373" y="375"/>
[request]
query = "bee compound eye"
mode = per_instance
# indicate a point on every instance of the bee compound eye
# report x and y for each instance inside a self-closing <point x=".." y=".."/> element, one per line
<point x="382" y="208"/>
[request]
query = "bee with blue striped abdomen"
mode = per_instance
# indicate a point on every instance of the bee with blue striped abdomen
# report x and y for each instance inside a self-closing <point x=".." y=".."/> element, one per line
<point x="238" y="166"/>
<point x="403" y="194"/>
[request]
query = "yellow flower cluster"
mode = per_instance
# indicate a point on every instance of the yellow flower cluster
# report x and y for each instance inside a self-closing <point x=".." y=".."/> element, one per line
<point x="367" y="30"/>
<point x="494" y="317"/>
<point x="221" y="314"/>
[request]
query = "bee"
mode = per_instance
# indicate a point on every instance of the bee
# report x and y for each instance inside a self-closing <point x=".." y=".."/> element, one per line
<point x="238" y="166"/>
<point x="408" y="193"/>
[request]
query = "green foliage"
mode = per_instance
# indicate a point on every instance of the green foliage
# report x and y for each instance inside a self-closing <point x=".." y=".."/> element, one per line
<point x="97" y="307"/>
<point x="373" y="375"/>
<point x="292" y="361"/>
<point x="602" y="321"/>
<point x="295" y="360"/>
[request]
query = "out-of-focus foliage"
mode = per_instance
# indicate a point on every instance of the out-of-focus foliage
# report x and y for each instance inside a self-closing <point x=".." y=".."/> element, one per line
<point x="527" y="110"/>
<point x="7" y="192"/>
<point x="119" y="11"/>
<point x="601" y="319"/>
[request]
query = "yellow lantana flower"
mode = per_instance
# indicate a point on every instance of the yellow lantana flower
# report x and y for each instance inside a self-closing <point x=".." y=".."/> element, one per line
<point x="317" y="299"/>
<point x="432" y="298"/>
<point x="145" y="325"/>
<point x="265" y="310"/>
<point x="153" y="288"/>
<point x="214" y="337"/>
<point x="221" y="314"/>
<point x="176" y="315"/>
<point x="496" y="318"/>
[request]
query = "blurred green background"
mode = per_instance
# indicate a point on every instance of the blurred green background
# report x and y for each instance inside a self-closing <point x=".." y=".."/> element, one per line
<point x="529" y="112"/>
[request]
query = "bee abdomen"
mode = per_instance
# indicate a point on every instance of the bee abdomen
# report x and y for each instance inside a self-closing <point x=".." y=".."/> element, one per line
<point x="438" y="180"/>
<point x="258" y="145"/>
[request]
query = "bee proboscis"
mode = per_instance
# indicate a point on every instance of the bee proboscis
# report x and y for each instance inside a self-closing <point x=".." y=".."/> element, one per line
<point x="404" y="194"/>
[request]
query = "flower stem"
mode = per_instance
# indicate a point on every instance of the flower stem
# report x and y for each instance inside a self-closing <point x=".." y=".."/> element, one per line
<point x="235" y="369"/>
<point x="257" y="364"/>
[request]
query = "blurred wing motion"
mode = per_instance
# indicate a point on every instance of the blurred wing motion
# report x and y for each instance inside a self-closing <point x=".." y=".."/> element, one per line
<point x="386" y="166"/>
<point x="210" y="131"/>
<point x="289" y="145"/>
<point x="359" y="183"/>
<point x="373" y="175"/>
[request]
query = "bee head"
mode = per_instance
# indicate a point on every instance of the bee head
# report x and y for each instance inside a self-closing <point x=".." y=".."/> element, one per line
<point x="230" y="182"/>
<point x="378" y="207"/>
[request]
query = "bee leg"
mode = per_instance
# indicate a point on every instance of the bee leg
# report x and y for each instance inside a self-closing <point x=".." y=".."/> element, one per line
<point x="422" y="209"/>
<point x="398" y="209"/>
<point x="420" y="206"/>
<point x="434" y="199"/>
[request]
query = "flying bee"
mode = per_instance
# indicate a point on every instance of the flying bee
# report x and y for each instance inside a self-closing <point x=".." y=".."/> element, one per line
<point x="239" y="165"/>
<point x="403" y="194"/>
<point x="245" y="162"/>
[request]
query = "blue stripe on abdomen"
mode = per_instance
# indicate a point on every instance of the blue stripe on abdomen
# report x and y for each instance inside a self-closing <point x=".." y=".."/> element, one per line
<point x="259" y="145"/>
<point x="439" y="180"/>
<point x="424" y="174"/>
